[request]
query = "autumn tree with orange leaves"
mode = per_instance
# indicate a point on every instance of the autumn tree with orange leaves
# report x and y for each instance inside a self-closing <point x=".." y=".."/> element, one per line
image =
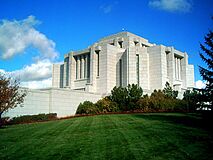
<point x="10" y="94"/>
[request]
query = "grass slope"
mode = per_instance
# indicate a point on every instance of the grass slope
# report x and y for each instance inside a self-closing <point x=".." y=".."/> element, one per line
<point x="130" y="136"/>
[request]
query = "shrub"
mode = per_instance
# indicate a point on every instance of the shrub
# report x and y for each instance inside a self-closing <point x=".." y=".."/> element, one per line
<point x="134" y="94"/>
<point x="143" y="104"/>
<point x="180" y="106"/>
<point x="169" y="92"/>
<point x="126" y="97"/>
<point x="120" y="96"/>
<point x="105" y="105"/>
<point x="159" y="102"/>
<point x="87" y="107"/>
<point x="129" y="99"/>
<point x="5" y="120"/>
<point x="33" y="118"/>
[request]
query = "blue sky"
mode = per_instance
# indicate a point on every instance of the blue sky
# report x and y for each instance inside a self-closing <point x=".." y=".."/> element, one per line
<point x="35" y="34"/>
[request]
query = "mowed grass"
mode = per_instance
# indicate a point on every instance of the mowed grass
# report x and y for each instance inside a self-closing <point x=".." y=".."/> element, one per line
<point x="123" y="136"/>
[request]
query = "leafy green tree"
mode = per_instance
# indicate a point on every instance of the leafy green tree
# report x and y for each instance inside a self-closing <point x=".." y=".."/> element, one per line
<point x="126" y="97"/>
<point x="87" y="107"/>
<point x="207" y="73"/>
<point x="10" y="95"/>
<point x="169" y="92"/>
<point x="105" y="105"/>
<point x="120" y="96"/>
<point x="134" y="94"/>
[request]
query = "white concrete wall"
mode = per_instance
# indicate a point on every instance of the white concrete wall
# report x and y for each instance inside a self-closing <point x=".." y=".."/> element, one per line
<point x="190" y="76"/>
<point x="170" y="65"/>
<point x="155" y="68"/>
<point x="36" y="101"/>
<point x="67" y="103"/>
<point x="56" y="75"/>
<point x="101" y="80"/>
<point x="132" y="66"/>
<point x="125" y="64"/>
<point x="144" y="68"/>
<point x="164" y="75"/>
<point x="81" y="83"/>
<point x="111" y="67"/>
<point x="64" y="102"/>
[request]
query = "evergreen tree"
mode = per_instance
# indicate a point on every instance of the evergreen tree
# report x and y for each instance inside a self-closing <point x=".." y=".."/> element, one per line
<point x="207" y="73"/>
<point x="192" y="99"/>
<point x="169" y="92"/>
<point x="126" y="97"/>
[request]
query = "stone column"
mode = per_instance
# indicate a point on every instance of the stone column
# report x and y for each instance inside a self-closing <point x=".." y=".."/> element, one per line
<point x="176" y="68"/>
<point x="115" y="41"/>
<point x="85" y="66"/>
<point x="82" y="67"/>
<point x="78" y="67"/>
<point x="72" y="70"/>
<point x="179" y="69"/>
<point x="64" y="74"/>
<point x="80" y="71"/>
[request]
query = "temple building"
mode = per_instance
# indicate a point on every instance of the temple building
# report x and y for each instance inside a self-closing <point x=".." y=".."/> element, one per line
<point x="116" y="60"/>
<point x="121" y="59"/>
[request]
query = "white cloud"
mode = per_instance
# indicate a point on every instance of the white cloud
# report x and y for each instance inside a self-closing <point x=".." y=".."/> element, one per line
<point x="2" y="71"/>
<point x="16" y="36"/>
<point x="200" y="84"/>
<point x="172" y="5"/>
<point x="36" y="75"/>
<point x="107" y="8"/>
<point x="35" y="72"/>
<point x="37" y="84"/>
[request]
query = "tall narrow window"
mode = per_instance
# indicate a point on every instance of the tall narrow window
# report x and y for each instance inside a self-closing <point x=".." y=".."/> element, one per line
<point x="180" y="63"/>
<point x="67" y="71"/>
<point x="61" y="75"/>
<point x="120" y="67"/>
<point x="88" y="66"/>
<point x="167" y="63"/>
<point x="85" y="66"/>
<point x="80" y="67"/>
<point x="98" y="61"/>
<point x="178" y="69"/>
<point x="120" y="44"/>
<point x="76" y="68"/>
<point x="137" y="68"/>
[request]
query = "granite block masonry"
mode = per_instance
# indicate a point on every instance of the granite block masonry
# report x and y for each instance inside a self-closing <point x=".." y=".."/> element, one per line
<point x="121" y="59"/>
<point x="116" y="60"/>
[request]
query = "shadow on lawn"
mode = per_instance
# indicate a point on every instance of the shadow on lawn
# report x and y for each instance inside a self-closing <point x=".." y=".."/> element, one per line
<point x="197" y="120"/>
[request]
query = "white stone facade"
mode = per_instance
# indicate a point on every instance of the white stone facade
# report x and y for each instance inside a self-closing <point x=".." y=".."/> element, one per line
<point x="116" y="60"/>
<point x="122" y="59"/>
<point x="64" y="102"/>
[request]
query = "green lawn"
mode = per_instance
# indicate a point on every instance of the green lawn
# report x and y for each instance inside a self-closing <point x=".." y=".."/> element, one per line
<point x="125" y="136"/>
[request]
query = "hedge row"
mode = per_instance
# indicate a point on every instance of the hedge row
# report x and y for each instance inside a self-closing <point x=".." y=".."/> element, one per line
<point x="31" y="118"/>
<point x="130" y="99"/>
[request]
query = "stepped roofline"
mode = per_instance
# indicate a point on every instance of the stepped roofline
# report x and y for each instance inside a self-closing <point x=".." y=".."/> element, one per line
<point x="123" y="35"/>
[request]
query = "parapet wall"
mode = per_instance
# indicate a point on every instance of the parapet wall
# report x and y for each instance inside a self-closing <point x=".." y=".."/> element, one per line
<point x="64" y="102"/>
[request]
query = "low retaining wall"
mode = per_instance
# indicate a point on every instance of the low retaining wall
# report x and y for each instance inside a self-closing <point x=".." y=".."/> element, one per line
<point x="64" y="102"/>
